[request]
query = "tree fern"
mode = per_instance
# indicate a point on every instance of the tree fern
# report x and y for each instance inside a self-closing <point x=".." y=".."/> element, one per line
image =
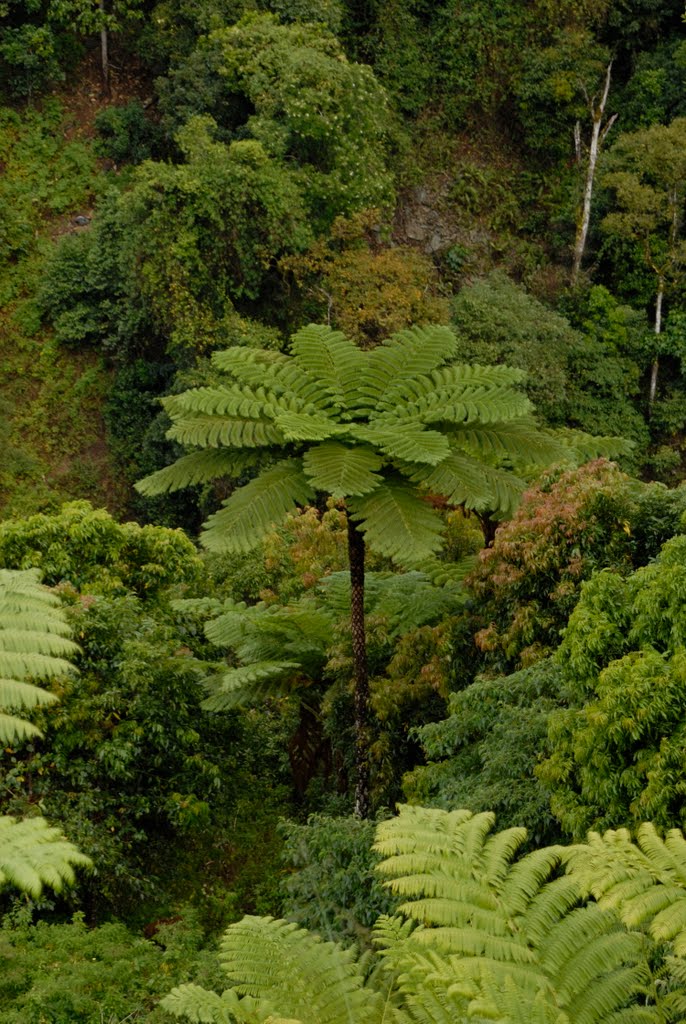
<point x="375" y="428"/>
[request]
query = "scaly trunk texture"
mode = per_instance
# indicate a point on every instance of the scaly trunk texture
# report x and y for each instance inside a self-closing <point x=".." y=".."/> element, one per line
<point x="359" y="641"/>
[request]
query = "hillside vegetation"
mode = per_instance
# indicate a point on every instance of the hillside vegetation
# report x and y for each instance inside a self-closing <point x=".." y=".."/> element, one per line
<point x="342" y="511"/>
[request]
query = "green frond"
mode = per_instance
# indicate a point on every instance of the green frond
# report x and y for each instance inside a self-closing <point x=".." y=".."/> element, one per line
<point x="251" y="511"/>
<point x="342" y="471"/>
<point x="197" y="468"/>
<point x="447" y="574"/>
<point x="464" y="480"/>
<point x="522" y="440"/>
<point x="406" y="600"/>
<point x="645" y="883"/>
<point x="15" y="730"/>
<point x="299" y="426"/>
<point x="409" y="442"/>
<point x="492" y="922"/>
<point x="474" y="405"/>
<point x="232" y="401"/>
<point x="449" y="385"/>
<point x="407" y="355"/>
<point x="33" y="645"/>
<point x="332" y="359"/>
<point x="397" y="523"/>
<point x="215" y="432"/>
<point x="16" y="694"/>
<point x="307" y="979"/>
<point x="459" y="479"/>
<point x="228" y="627"/>
<point x="581" y="446"/>
<point x="34" y="855"/>
<point x="201" y="1006"/>
<point x="248" y="684"/>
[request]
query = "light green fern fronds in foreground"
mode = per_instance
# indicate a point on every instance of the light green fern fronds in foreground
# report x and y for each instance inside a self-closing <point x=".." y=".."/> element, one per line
<point x="34" y="645"/>
<point x="283" y="973"/>
<point x="33" y="854"/>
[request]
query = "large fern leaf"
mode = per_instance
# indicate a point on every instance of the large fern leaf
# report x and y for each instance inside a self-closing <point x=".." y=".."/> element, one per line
<point x="479" y="909"/>
<point x="645" y="883"/>
<point x="248" y="684"/>
<point x="341" y="471"/>
<point x="332" y="359"/>
<point x="34" y="645"/>
<point x="33" y="855"/>
<point x="199" y="431"/>
<point x="397" y="523"/>
<point x="307" y="979"/>
<point x="198" y="468"/>
<point x="251" y="511"/>
<point x="410" y="442"/>
<point x="407" y="355"/>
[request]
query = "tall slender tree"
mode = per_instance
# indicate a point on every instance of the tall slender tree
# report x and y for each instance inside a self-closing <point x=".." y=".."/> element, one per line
<point x="381" y="429"/>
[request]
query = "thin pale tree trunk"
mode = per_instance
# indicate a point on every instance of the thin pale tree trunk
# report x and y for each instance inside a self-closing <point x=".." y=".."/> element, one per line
<point x="104" y="52"/>
<point x="361" y="671"/>
<point x="658" y="330"/>
<point x="598" y="134"/>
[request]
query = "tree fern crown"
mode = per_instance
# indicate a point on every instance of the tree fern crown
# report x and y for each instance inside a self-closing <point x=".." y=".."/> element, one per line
<point x="381" y="429"/>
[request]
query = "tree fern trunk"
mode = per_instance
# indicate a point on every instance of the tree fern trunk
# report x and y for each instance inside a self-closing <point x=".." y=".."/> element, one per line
<point x="359" y="641"/>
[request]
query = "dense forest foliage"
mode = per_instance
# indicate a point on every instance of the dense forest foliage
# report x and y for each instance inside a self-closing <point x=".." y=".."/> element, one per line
<point x="343" y="511"/>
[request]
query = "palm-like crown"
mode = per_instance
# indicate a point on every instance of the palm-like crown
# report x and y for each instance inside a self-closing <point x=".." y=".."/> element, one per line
<point x="373" y="427"/>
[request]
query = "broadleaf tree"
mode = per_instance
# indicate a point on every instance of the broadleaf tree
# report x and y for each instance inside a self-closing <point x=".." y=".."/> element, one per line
<point x="381" y="429"/>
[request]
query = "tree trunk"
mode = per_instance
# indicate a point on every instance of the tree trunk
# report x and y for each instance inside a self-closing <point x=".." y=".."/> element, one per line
<point x="359" y="642"/>
<point x="656" y="361"/>
<point x="104" y="52"/>
<point x="597" y="136"/>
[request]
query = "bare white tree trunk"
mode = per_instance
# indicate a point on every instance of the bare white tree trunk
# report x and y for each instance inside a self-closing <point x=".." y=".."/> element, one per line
<point x="104" y="51"/>
<point x="598" y="134"/>
<point x="658" y="330"/>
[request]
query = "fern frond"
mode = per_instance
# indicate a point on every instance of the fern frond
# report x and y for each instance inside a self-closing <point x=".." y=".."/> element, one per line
<point x="16" y="730"/>
<point x="474" y="405"/>
<point x="237" y="401"/>
<point x="397" y="523"/>
<point x="247" y="684"/>
<point x="404" y="357"/>
<point x="197" y="468"/>
<point x="33" y="645"/>
<point x="307" y="979"/>
<point x="581" y="446"/>
<point x="522" y="440"/>
<point x="464" y="480"/>
<point x="409" y="442"/>
<point x="645" y="883"/>
<point x="341" y="471"/>
<point x="201" y="1006"/>
<point x="210" y="431"/>
<point x="332" y="359"/>
<point x="299" y="426"/>
<point x="406" y="600"/>
<point x="34" y="855"/>
<point x="251" y="511"/>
